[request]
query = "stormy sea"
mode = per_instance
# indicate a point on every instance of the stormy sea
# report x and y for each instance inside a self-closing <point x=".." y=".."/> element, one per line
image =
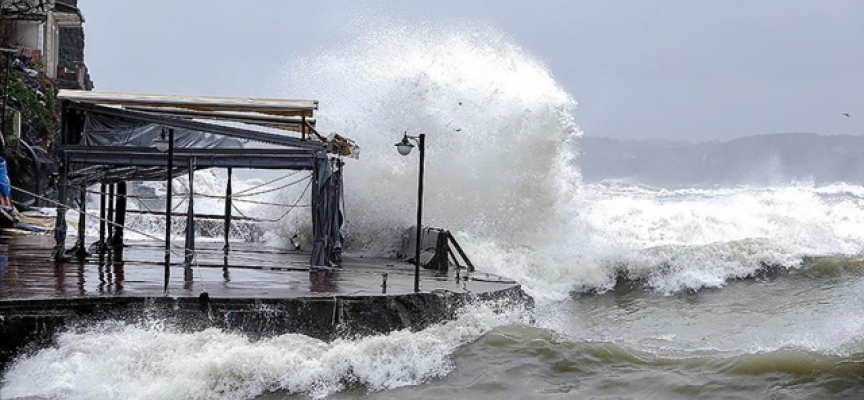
<point x="743" y="290"/>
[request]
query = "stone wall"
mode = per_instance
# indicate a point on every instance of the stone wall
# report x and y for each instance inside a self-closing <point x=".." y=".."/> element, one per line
<point x="71" y="55"/>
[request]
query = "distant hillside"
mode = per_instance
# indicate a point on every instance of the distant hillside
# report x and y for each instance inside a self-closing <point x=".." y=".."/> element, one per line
<point x="765" y="159"/>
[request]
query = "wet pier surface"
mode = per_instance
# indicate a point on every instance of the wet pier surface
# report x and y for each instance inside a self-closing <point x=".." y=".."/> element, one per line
<point x="247" y="271"/>
<point x="255" y="290"/>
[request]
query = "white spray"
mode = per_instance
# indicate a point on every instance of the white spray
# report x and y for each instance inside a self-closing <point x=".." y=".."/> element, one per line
<point x="498" y="131"/>
<point x="501" y="173"/>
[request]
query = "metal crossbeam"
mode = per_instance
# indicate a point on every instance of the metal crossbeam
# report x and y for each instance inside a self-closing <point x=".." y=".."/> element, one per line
<point x="206" y="158"/>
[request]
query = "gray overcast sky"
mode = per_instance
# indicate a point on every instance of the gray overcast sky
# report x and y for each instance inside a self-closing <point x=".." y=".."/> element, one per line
<point x="676" y="69"/>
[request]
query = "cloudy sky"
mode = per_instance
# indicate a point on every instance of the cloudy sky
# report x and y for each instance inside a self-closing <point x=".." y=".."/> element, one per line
<point x="675" y="69"/>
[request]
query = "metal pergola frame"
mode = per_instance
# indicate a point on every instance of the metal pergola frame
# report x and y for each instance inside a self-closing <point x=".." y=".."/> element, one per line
<point x="84" y="163"/>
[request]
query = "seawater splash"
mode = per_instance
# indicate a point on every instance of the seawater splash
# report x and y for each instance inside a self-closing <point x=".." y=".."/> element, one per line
<point x="674" y="240"/>
<point x="499" y="166"/>
<point x="498" y="125"/>
<point x="693" y="238"/>
<point x="152" y="361"/>
<point x="501" y="173"/>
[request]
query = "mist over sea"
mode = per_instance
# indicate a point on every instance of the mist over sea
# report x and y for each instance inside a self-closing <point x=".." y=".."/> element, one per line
<point x="746" y="284"/>
<point x="763" y="160"/>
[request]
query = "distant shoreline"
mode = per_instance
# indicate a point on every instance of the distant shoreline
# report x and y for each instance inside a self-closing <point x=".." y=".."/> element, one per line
<point x="752" y="160"/>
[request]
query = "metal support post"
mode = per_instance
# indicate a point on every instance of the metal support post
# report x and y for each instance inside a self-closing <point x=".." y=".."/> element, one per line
<point x="80" y="246"/>
<point x="59" y="252"/>
<point x="102" y="206"/>
<point x="119" y="217"/>
<point x="422" y="148"/>
<point x="228" y="207"/>
<point x="110" y="216"/>
<point x="168" y="205"/>
<point x="190" y="216"/>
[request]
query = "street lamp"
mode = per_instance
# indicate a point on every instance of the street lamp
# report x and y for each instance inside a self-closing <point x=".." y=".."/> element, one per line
<point x="404" y="147"/>
<point x="163" y="144"/>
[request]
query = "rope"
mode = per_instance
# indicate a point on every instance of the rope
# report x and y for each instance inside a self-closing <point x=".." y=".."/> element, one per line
<point x="273" y="189"/>
<point x="206" y="195"/>
<point x="238" y="211"/>
<point x="132" y="196"/>
<point x="239" y="196"/>
<point x="182" y="200"/>
<point x="143" y="204"/>
<point x="373" y="281"/>
<point x="181" y="250"/>
<point x="267" y="183"/>
<point x="109" y="222"/>
<point x="295" y="203"/>
<point x="264" y="203"/>
<point x="145" y="234"/>
<point x="184" y="197"/>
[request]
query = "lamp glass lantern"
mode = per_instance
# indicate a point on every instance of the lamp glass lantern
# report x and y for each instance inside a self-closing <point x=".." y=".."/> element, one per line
<point x="404" y="147"/>
<point x="161" y="143"/>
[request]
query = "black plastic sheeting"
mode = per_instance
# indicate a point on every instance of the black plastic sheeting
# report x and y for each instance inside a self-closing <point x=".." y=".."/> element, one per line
<point x="142" y="163"/>
<point x="110" y="131"/>
<point x="33" y="170"/>
<point x="327" y="212"/>
<point x="103" y="130"/>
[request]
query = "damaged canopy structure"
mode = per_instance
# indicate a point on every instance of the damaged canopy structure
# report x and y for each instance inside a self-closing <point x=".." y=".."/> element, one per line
<point x="110" y="138"/>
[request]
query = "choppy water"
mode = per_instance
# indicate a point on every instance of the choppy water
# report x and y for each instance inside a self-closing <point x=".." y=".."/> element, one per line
<point x="749" y="292"/>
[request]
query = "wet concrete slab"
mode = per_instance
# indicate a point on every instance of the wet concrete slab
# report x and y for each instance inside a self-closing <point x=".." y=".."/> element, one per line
<point x="247" y="271"/>
<point x="255" y="290"/>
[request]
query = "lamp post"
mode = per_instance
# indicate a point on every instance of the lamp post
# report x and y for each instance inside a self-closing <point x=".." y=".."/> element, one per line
<point x="167" y="144"/>
<point x="404" y="147"/>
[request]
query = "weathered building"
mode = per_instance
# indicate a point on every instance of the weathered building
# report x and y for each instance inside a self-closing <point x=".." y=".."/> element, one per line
<point x="51" y="34"/>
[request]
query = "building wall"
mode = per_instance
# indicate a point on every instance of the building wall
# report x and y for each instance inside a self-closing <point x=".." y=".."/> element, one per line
<point x="71" y="48"/>
<point x="49" y="49"/>
<point x="58" y="41"/>
<point x="29" y="34"/>
<point x="70" y="56"/>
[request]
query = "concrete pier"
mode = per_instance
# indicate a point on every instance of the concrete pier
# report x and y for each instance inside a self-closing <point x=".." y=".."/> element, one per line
<point x="252" y="289"/>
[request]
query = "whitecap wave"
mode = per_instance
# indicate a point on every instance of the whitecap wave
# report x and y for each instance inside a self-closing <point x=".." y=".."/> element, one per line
<point x="151" y="361"/>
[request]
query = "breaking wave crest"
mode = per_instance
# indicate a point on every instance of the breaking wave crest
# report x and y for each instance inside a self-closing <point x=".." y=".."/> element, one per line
<point x="153" y="361"/>
<point x="501" y="174"/>
<point x="687" y="239"/>
<point x="499" y="131"/>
